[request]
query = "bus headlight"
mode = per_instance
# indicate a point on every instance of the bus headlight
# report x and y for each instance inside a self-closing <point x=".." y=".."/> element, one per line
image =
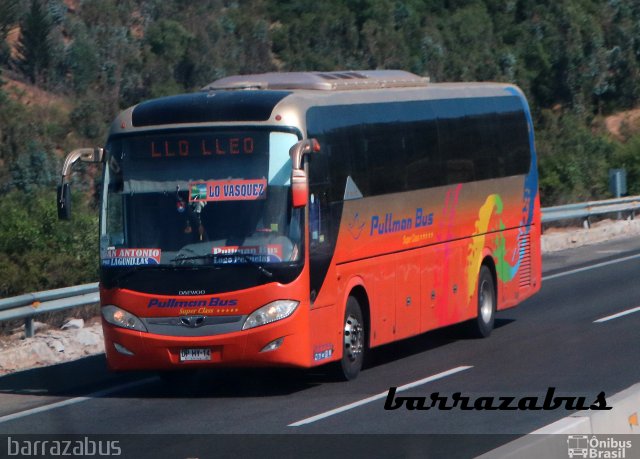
<point x="276" y="310"/>
<point x="121" y="318"/>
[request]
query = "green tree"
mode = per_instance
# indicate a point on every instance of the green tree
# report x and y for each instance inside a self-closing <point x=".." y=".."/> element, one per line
<point x="37" y="251"/>
<point x="470" y="44"/>
<point x="627" y="156"/>
<point x="33" y="169"/>
<point x="35" y="46"/>
<point x="226" y="38"/>
<point x="312" y="35"/>
<point x="573" y="161"/>
<point x="14" y="134"/>
<point x="8" y="18"/>
<point x="168" y="41"/>
<point x="88" y="120"/>
<point x="110" y="26"/>
<point x="82" y="61"/>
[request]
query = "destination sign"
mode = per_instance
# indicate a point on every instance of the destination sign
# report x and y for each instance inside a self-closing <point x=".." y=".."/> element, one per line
<point x="228" y="190"/>
<point x="204" y="145"/>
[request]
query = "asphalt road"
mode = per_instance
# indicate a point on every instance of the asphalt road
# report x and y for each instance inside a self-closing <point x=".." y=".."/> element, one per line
<point x="550" y="341"/>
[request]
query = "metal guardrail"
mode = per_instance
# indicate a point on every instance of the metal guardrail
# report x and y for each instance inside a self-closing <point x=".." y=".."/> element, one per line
<point x="29" y="305"/>
<point x="32" y="304"/>
<point x="586" y="210"/>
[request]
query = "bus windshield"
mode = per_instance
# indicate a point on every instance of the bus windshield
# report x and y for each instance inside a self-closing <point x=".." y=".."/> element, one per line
<point x="199" y="198"/>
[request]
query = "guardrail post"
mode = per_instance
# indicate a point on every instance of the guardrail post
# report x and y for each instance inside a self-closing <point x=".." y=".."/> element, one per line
<point x="28" y="327"/>
<point x="586" y="223"/>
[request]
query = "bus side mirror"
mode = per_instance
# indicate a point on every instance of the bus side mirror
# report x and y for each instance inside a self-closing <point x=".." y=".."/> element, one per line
<point x="88" y="155"/>
<point x="64" y="201"/>
<point x="299" y="188"/>
<point x="299" y="180"/>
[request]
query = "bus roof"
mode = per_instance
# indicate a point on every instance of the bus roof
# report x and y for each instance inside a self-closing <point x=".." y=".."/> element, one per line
<point x="323" y="81"/>
<point x="308" y="89"/>
<point x="282" y="99"/>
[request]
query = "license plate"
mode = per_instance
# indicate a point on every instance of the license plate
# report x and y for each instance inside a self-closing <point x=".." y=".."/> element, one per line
<point x="187" y="355"/>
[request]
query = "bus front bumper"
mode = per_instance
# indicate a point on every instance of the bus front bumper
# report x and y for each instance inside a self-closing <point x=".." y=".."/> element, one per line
<point x="134" y="350"/>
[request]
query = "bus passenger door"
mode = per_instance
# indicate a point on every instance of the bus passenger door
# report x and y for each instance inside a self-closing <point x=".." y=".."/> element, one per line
<point x="383" y="325"/>
<point x="408" y="301"/>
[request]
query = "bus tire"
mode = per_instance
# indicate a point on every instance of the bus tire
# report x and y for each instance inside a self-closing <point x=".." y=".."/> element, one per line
<point x="353" y="342"/>
<point x="483" y="324"/>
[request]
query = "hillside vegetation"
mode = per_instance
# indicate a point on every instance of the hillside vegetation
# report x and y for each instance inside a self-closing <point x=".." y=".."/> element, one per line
<point x="68" y="66"/>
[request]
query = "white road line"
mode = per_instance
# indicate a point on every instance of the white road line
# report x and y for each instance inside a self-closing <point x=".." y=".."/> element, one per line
<point x="382" y="395"/>
<point x="587" y="268"/>
<point x="73" y="401"/>
<point x="619" y="314"/>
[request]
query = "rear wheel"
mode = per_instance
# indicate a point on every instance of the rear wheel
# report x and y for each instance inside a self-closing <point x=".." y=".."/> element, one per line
<point x="354" y="340"/>
<point x="483" y="324"/>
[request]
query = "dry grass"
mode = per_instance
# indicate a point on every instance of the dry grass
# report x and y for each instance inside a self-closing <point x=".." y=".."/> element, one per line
<point x="622" y="125"/>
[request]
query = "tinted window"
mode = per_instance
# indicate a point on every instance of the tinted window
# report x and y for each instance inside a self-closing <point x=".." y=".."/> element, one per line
<point x="403" y="146"/>
<point x="208" y="106"/>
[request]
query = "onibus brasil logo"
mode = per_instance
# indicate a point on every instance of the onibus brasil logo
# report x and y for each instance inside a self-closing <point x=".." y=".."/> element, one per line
<point x="594" y="447"/>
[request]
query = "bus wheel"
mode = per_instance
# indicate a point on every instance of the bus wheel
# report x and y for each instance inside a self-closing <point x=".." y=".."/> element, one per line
<point x="486" y="304"/>
<point x="354" y="340"/>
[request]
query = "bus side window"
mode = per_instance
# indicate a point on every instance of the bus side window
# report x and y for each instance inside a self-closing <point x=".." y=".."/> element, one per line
<point x="115" y="219"/>
<point x="460" y="171"/>
<point x="319" y="189"/>
<point x="318" y="223"/>
<point x="314" y="217"/>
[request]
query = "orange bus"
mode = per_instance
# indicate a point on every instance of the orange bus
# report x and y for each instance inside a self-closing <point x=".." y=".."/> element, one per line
<point x="297" y="219"/>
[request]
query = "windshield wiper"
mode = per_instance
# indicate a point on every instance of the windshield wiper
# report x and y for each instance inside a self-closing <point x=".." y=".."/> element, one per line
<point x="248" y="259"/>
<point x="179" y="258"/>
<point x="209" y="256"/>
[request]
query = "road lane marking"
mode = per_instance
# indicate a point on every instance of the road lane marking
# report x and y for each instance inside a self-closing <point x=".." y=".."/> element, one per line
<point x="619" y="314"/>
<point x="587" y="268"/>
<point x="381" y="395"/>
<point x="73" y="401"/>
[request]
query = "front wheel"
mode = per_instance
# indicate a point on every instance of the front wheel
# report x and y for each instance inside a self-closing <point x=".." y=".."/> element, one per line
<point x="354" y="340"/>
<point x="483" y="324"/>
